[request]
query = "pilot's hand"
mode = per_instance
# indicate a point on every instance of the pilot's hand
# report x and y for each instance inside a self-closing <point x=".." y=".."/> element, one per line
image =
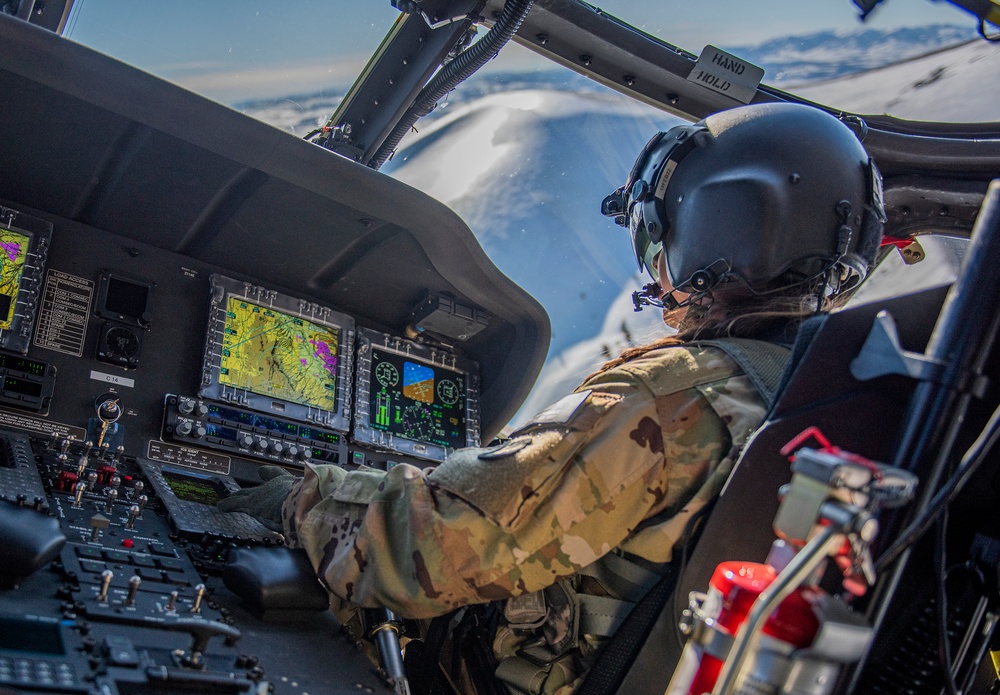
<point x="264" y="501"/>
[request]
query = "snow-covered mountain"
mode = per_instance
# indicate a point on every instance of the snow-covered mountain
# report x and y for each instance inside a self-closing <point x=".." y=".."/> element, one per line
<point x="828" y="54"/>
<point x="527" y="159"/>
<point x="954" y="85"/>
<point x="527" y="170"/>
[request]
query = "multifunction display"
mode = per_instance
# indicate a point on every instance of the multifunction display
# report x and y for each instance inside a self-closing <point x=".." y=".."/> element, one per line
<point x="278" y="354"/>
<point x="13" y="253"/>
<point x="414" y="399"/>
<point x="269" y="352"/>
<point x="419" y="401"/>
<point x="24" y="249"/>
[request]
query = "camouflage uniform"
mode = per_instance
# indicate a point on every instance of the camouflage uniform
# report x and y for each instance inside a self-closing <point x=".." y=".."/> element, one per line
<point x="648" y="437"/>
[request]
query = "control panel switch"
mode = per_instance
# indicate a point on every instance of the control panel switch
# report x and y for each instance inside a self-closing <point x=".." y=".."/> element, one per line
<point x="106" y="577"/>
<point x="98" y="522"/>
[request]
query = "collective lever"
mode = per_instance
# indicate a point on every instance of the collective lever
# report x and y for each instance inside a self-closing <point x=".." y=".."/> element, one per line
<point x="386" y="627"/>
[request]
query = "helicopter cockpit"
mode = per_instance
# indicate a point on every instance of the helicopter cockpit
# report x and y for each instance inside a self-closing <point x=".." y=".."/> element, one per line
<point x="208" y="268"/>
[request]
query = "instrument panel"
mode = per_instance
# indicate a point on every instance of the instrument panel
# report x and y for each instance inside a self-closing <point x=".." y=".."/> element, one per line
<point x="139" y="387"/>
<point x="283" y="379"/>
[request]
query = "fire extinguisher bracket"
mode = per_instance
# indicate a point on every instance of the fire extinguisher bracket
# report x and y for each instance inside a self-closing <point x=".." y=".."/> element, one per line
<point x="705" y="630"/>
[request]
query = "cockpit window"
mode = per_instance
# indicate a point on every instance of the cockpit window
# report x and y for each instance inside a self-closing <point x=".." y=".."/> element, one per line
<point x="931" y="260"/>
<point x="241" y="52"/>
<point x="289" y="65"/>
<point x="525" y="150"/>
<point x="916" y="60"/>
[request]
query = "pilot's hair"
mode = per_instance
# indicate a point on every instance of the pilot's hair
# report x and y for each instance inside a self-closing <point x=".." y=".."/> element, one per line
<point x="736" y="314"/>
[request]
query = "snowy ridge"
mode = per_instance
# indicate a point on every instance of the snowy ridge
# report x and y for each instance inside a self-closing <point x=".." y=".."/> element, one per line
<point x="958" y="84"/>
<point x="828" y="54"/>
<point x="494" y="162"/>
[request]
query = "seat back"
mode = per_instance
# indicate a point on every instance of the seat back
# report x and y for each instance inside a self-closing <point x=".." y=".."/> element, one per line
<point x="818" y="390"/>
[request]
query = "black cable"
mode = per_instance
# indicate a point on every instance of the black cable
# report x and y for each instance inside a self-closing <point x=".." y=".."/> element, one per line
<point x="454" y="73"/>
<point x="971" y="462"/>
<point x="941" y="568"/>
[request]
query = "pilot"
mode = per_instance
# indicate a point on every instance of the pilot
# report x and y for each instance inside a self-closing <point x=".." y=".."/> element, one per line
<point x="748" y="222"/>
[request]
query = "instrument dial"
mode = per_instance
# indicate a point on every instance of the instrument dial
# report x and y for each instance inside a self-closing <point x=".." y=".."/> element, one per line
<point x="387" y="374"/>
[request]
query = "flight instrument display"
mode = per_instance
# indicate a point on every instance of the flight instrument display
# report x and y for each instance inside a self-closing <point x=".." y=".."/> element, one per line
<point x="278" y="354"/>
<point x="416" y="400"/>
<point x="413" y="399"/>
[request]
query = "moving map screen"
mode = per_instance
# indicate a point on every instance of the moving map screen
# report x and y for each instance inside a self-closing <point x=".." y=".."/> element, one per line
<point x="416" y="400"/>
<point x="273" y="354"/>
<point x="13" y="253"/>
<point x="24" y="250"/>
<point x="278" y="354"/>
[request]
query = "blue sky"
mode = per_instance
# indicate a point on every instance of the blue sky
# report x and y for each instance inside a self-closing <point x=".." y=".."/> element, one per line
<point x="233" y="50"/>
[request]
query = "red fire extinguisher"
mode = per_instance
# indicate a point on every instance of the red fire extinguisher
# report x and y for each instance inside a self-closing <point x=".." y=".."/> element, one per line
<point x="733" y="589"/>
<point x="794" y="637"/>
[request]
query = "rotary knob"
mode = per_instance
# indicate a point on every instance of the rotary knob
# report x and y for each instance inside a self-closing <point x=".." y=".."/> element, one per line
<point x="185" y="406"/>
<point x="244" y="440"/>
<point x="276" y="448"/>
<point x="201" y="410"/>
<point x="184" y="429"/>
<point x="199" y="431"/>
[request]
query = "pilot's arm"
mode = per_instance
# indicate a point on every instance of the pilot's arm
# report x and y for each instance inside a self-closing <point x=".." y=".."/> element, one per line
<point x="497" y="522"/>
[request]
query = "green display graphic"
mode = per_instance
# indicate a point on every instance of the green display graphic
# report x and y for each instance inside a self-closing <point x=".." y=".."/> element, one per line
<point x="192" y="489"/>
<point x="271" y="353"/>
<point x="13" y="254"/>
<point x="416" y="400"/>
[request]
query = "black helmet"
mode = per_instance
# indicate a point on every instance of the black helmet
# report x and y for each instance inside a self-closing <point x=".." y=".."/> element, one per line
<point x="770" y="195"/>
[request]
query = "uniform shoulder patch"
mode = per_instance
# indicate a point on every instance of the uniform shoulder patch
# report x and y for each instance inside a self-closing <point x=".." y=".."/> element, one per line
<point x="561" y="412"/>
<point x="506" y="449"/>
<point x="508" y="482"/>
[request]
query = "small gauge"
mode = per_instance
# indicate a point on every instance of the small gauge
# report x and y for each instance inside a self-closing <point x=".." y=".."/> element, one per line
<point x="448" y="392"/>
<point x="387" y="374"/>
<point x="119" y="345"/>
<point x="418" y="423"/>
<point x="122" y="342"/>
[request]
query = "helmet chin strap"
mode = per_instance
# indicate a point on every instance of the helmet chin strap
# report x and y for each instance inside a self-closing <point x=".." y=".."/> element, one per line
<point x="696" y="287"/>
<point x="701" y="283"/>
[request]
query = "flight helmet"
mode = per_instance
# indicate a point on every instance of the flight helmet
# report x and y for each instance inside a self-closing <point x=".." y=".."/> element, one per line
<point x="767" y="196"/>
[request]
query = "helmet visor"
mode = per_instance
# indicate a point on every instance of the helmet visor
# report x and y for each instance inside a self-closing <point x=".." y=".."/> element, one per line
<point x="645" y="250"/>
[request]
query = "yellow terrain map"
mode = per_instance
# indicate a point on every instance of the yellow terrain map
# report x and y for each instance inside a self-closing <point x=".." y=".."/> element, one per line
<point x="274" y="354"/>
<point x="13" y="251"/>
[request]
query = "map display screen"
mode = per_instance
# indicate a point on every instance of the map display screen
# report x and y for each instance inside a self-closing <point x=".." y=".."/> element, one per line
<point x="417" y="400"/>
<point x="13" y="253"/>
<point x="274" y="354"/>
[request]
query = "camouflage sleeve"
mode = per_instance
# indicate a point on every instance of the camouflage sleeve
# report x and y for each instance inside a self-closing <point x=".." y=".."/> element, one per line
<point x="493" y="523"/>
